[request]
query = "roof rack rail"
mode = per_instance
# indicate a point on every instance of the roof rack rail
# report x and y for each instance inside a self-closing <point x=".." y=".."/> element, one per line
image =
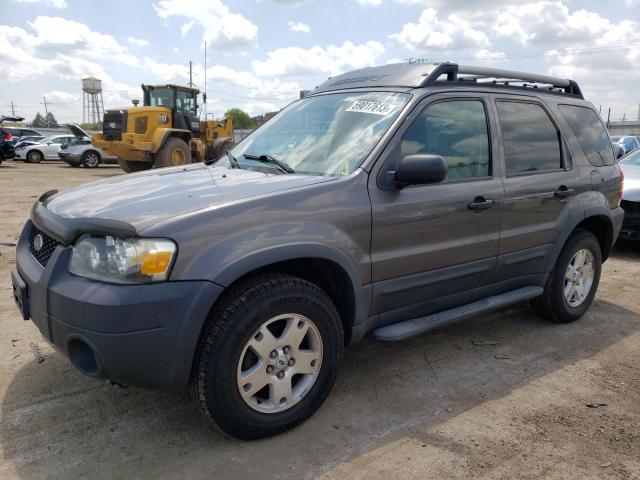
<point x="496" y="76"/>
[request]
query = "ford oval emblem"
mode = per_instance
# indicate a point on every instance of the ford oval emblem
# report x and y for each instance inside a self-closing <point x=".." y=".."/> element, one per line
<point x="38" y="242"/>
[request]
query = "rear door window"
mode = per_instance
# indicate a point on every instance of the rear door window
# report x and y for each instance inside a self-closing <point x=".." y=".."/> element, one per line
<point x="531" y="140"/>
<point x="591" y="134"/>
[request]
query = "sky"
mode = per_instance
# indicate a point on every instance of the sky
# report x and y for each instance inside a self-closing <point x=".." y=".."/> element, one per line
<point x="261" y="53"/>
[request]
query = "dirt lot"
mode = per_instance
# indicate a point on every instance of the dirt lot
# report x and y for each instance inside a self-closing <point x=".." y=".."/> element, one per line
<point x="505" y="395"/>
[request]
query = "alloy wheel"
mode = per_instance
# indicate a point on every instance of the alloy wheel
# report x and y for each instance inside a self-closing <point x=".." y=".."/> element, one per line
<point x="280" y="363"/>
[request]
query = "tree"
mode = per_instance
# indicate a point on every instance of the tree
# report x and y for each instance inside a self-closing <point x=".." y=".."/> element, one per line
<point x="51" y="121"/>
<point x="38" y="121"/>
<point x="241" y="119"/>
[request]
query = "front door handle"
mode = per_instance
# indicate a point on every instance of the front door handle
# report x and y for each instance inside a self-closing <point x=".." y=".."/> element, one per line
<point x="564" y="192"/>
<point x="479" y="204"/>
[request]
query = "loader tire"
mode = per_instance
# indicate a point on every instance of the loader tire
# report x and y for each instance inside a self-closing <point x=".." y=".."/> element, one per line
<point x="133" y="166"/>
<point x="174" y="153"/>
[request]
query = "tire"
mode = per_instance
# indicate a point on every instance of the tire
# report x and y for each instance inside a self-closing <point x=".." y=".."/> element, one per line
<point x="90" y="159"/>
<point x="241" y="318"/>
<point x="553" y="303"/>
<point x="133" y="166"/>
<point x="34" y="156"/>
<point x="175" y="152"/>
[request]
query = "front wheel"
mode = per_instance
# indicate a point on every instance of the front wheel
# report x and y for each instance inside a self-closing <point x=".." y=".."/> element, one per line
<point x="573" y="282"/>
<point x="174" y="153"/>
<point x="34" y="156"/>
<point x="269" y="357"/>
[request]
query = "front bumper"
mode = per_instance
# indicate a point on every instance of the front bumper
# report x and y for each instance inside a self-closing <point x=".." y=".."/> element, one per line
<point x="631" y="223"/>
<point x="142" y="335"/>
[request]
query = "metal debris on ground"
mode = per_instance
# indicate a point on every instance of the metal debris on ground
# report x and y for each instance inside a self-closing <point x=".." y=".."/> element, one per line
<point x="595" y="405"/>
<point x="37" y="353"/>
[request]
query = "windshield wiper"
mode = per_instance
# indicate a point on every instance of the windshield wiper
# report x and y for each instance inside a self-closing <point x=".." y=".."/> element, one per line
<point x="269" y="159"/>
<point x="233" y="161"/>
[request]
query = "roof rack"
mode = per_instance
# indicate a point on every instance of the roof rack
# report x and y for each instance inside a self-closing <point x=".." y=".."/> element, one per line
<point x="496" y="76"/>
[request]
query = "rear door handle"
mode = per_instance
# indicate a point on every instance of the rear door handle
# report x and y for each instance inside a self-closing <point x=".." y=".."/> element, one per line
<point x="564" y="192"/>
<point x="479" y="204"/>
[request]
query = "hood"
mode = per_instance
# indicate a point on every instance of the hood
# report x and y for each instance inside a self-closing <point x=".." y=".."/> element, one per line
<point x="77" y="131"/>
<point x="25" y="143"/>
<point x="631" y="190"/>
<point x="4" y="118"/>
<point x="143" y="199"/>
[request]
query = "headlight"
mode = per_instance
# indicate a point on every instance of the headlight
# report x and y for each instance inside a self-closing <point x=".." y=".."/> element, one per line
<point x="118" y="260"/>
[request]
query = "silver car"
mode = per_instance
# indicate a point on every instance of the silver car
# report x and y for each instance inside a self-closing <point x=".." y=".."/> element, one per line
<point x="45" y="149"/>
<point x="81" y="152"/>
<point x="630" y="165"/>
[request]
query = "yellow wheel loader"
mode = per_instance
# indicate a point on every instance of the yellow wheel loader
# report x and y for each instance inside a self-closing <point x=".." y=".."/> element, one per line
<point x="165" y="132"/>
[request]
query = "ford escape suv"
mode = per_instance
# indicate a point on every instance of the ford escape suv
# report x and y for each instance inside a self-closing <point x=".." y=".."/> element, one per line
<point x="391" y="200"/>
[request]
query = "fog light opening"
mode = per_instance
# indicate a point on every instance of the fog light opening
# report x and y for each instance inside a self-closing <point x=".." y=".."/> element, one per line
<point x="82" y="357"/>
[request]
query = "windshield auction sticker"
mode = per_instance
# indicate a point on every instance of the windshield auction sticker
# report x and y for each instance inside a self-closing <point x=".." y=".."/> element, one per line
<point x="377" y="108"/>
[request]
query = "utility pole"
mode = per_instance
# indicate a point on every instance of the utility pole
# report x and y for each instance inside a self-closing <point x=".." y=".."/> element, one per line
<point x="608" y="117"/>
<point x="204" y="97"/>
<point x="13" y="109"/>
<point x="190" y="74"/>
<point x="46" y="110"/>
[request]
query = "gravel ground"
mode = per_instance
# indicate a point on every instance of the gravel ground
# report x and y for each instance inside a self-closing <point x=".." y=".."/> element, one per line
<point x="504" y="395"/>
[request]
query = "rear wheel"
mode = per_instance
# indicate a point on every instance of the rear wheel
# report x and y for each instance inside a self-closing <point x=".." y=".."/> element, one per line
<point x="133" y="166"/>
<point x="173" y="153"/>
<point x="573" y="282"/>
<point x="269" y="357"/>
<point x="34" y="156"/>
<point x="90" y="159"/>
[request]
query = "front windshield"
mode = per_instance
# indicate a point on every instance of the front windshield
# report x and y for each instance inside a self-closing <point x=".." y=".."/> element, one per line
<point x="161" y="97"/>
<point x="632" y="159"/>
<point x="322" y="135"/>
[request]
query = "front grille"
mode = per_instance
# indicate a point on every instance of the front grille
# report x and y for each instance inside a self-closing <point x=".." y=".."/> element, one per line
<point x="114" y="124"/>
<point x="630" y="207"/>
<point x="48" y="246"/>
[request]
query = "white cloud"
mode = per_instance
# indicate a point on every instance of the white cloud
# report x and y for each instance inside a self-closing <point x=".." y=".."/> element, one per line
<point x="372" y="3"/>
<point x="221" y="27"/>
<point x="176" y="50"/>
<point x="431" y="33"/>
<point x="55" y="3"/>
<point x="186" y="27"/>
<point x="318" y="60"/>
<point x="138" y="42"/>
<point x="63" y="97"/>
<point x="299" y="27"/>
<point x="487" y="55"/>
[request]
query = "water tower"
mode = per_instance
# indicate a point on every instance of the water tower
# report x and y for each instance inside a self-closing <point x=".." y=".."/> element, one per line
<point x="92" y="104"/>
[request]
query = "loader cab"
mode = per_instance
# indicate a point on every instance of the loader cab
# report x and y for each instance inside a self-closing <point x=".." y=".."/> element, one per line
<point x="183" y="102"/>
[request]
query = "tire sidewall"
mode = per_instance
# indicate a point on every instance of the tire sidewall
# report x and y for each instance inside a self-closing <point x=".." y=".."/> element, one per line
<point x="579" y="241"/>
<point x="226" y="404"/>
<point x="83" y="160"/>
<point x="34" y="156"/>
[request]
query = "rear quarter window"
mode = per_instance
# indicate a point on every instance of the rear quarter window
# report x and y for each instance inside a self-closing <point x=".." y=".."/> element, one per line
<point x="591" y="134"/>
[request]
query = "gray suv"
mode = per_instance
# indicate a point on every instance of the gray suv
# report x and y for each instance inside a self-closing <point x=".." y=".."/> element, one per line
<point x="391" y="200"/>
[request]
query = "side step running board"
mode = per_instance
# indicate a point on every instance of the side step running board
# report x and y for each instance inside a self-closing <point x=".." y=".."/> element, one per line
<point x="402" y="330"/>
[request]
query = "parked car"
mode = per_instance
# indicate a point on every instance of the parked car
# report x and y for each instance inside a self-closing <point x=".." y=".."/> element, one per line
<point x="29" y="140"/>
<point x="393" y="199"/>
<point x="80" y="152"/>
<point x="624" y="145"/>
<point x="19" y="134"/>
<point x="46" y="149"/>
<point x="7" y="151"/>
<point x="630" y="165"/>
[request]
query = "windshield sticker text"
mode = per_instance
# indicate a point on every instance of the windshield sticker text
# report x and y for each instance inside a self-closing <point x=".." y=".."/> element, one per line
<point x="377" y="108"/>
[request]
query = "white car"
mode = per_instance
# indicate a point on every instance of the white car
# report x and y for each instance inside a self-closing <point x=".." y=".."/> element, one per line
<point x="45" y="149"/>
<point x="81" y="152"/>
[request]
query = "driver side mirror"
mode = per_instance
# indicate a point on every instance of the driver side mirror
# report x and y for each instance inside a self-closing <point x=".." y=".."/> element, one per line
<point x="419" y="170"/>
